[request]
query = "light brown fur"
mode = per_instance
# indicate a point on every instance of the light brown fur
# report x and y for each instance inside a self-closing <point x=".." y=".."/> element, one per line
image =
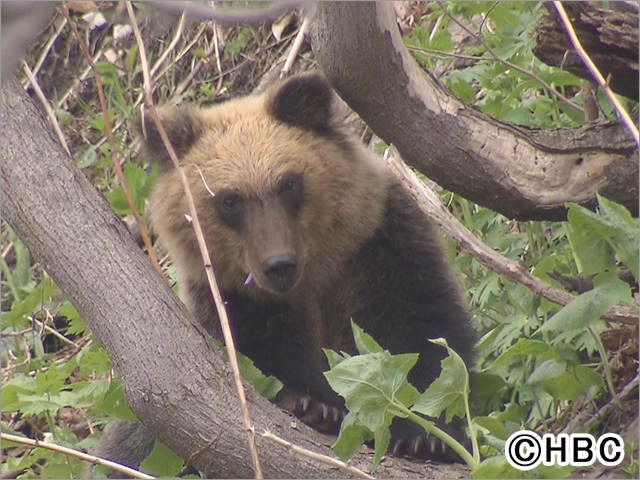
<point x="243" y="148"/>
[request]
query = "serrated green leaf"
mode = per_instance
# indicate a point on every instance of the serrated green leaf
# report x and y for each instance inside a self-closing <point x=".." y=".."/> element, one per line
<point x="586" y="309"/>
<point x="447" y="392"/>
<point x="369" y="384"/>
<point x="352" y="436"/>
<point x="364" y="342"/>
<point x="333" y="358"/>
<point x="32" y="302"/>
<point x="627" y="236"/>
<point x="162" y="461"/>
<point x="113" y="404"/>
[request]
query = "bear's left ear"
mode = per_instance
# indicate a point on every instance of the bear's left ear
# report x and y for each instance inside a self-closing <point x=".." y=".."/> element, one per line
<point x="183" y="126"/>
<point x="304" y="101"/>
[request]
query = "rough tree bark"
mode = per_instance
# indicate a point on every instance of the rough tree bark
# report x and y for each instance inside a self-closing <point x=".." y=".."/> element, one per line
<point x="609" y="37"/>
<point x="519" y="172"/>
<point x="173" y="380"/>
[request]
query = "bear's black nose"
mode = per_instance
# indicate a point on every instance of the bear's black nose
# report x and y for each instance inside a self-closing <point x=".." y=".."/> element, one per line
<point x="281" y="270"/>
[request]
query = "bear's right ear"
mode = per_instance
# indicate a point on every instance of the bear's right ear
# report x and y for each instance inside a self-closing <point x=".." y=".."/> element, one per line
<point x="304" y="101"/>
<point x="183" y="126"/>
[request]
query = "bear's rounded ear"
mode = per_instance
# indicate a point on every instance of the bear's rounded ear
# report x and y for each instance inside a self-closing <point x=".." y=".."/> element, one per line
<point x="183" y="126"/>
<point x="304" y="101"/>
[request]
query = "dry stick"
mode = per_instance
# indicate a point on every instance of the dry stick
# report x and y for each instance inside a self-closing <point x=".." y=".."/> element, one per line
<point x="114" y="154"/>
<point x="171" y="46"/>
<point x="184" y="51"/>
<point x="529" y="74"/>
<point x="316" y="456"/>
<point x="74" y="453"/>
<point x="45" y="50"/>
<point x="213" y="284"/>
<point x="585" y="420"/>
<point x="297" y="43"/>
<point x="431" y="204"/>
<point x="595" y="72"/>
<point x="47" y="107"/>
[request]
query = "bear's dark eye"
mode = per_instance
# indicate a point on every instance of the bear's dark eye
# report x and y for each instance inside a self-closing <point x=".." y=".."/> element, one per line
<point x="289" y="186"/>
<point x="230" y="208"/>
<point x="291" y="190"/>
<point x="231" y="203"/>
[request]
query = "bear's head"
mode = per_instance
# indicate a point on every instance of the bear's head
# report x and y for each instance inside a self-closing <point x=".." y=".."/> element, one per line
<point x="283" y="194"/>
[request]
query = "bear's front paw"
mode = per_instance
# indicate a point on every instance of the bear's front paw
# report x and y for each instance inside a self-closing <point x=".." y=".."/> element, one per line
<point x="426" y="448"/>
<point x="315" y="413"/>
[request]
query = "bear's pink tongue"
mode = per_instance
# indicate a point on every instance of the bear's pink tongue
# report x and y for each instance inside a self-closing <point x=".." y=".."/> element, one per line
<point x="249" y="279"/>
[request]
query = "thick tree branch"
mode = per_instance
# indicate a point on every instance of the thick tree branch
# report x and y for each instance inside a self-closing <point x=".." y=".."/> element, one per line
<point x="172" y="379"/>
<point x="516" y="171"/>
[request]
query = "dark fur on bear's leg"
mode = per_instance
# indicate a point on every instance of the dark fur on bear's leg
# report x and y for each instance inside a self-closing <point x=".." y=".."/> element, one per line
<point x="126" y="443"/>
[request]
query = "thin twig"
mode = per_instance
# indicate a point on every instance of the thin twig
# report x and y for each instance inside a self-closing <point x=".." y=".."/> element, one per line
<point x="297" y="43"/>
<point x="630" y="124"/>
<point x="316" y="456"/>
<point x="184" y="51"/>
<point x="45" y="103"/>
<point x="81" y="78"/>
<point x="585" y="420"/>
<point x="529" y="74"/>
<point x="112" y="145"/>
<point x="130" y="472"/>
<point x="213" y="284"/>
<point x="231" y="16"/>
<point x="171" y="46"/>
<point x="431" y="204"/>
<point x="45" y="51"/>
<point x="55" y="333"/>
<point x="218" y="63"/>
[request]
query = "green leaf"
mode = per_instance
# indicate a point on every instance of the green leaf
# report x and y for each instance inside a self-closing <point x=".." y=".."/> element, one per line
<point x="267" y="386"/>
<point x="448" y="391"/>
<point x="364" y="342"/>
<point x="498" y="467"/>
<point x="626" y="238"/>
<point x="494" y="426"/>
<point x="113" y="404"/>
<point x="524" y="346"/>
<point x="382" y="438"/>
<point x="74" y="320"/>
<point x="352" y="436"/>
<point x="572" y="383"/>
<point x="586" y="309"/>
<point x="595" y="238"/>
<point x="130" y="59"/>
<point x="22" y="271"/>
<point x="369" y="384"/>
<point x="547" y="370"/>
<point x="162" y="462"/>
<point x="334" y="358"/>
<point x="31" y="303"/>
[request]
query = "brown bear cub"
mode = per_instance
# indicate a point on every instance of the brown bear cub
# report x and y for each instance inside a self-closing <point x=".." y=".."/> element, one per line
<point x="306" y="229"/>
